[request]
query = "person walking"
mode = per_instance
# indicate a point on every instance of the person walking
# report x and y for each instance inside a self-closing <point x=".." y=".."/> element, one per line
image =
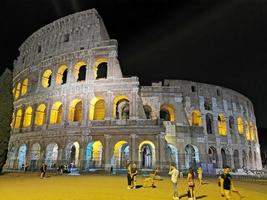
<point x="129" y="178"/>
<point x="43" y="170"/>
<point x="174" y="179"/>
<point x="133" y="175"/>
<point x="191" y="185"/>
<point x="200" y="175"/>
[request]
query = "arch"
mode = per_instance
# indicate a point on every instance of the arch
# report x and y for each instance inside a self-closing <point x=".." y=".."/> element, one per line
<point x="167" y="112"/>
<point x="40" y="115"/>
<point x="236" y="159"/>
<point x="17" y="92"/>
<point x="18" y="118"/>
<point x="35" y="155"/>
<point x="222" y="125"/>
<point x="97" y="108"/>
<point x="121" y="107"/>
<point x="226" y="158"/>
<point x="240" y="125"/>
<point x="80" y="71"/>
<point x="72" y="153"/>
<point x="27" y="117"/>
<point x="247" y="130"/>
<point x="24" y="87"/>
<point x="97" y="150"/>
<point x="76" y="110"/>
<point x="147" y="154"/>
<point x="252" y="131"/>
<point x="173" y="155"/>
<point x="191" y="156"/>
<point x="209" y="123"/>
<point x="61" y="77"/>
<point x="120" y="154"/>
<point x="51" y="154"/>
<point x="100" y="68"/>
<point x="244" y="159"/>
<point x="22" y="156"/>
<point x="46" y="78"/>
<point x="148" y="111"/>
<point x="196" y="118"/>
<point x="213" y="156"/>
<point x="56" y="113"/>
<point x="231" y="124"/>
<point x="11" y="157"/>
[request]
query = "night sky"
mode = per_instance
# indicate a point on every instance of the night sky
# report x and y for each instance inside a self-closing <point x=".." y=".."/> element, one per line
<point x="210" y="41"/>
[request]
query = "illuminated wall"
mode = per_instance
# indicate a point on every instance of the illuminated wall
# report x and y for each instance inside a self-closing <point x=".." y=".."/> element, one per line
<point x="196" y="118"/>
<point x="56" y="113"/>
<point x="222" y="125"/>
<point x="27" y="117"/>
<point x="40" y="115"/>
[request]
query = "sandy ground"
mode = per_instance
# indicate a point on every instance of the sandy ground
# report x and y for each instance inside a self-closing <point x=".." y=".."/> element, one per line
<point x="99" y="187"/>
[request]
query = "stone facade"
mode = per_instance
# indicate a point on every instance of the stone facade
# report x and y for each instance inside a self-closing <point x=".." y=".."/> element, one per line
<point x="67" y="112"/>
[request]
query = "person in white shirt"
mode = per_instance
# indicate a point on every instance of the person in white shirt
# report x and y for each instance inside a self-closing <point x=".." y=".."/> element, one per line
<point x="174" y="178"/>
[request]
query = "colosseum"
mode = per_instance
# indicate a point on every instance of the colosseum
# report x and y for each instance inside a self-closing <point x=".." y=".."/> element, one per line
<point x="72" y="104"/>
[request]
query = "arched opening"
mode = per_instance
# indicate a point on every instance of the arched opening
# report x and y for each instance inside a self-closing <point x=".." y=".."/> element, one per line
<point x="27" y="117"/>
<point x="240" y="125"/>
<point x="35" y="156"/>
<point x="17" y="92"/>
<point x="40" y="115"/>
<point x="213" y="157"/>
<point x="97" y="109"/>
<point x="11" y="157"/>
<point x="191" y="156"/>
<point x="51" y="154"/>
<point x="247" y="131"/>
<point x="80" y="71"/>
<point x="46" y="78"/>
<point x="24" y="87"/>
<point x="244" y="159"/>
<point x="97" y="149"/>
<point x="148" y="111"/>
<point x="22" y="156"/>
<point x="120" y="154"/>
<point x="61" y="77"/>
<point x="147" y="155"/>
<point x="226" y="158"/>
<point x="173" y="155"/>
<point x="255" y="160"/>
<point x="222" y="125"/>
<point x="18" y="118"/>
<point x="56" y="113"/>
<point x="72" y="153"/>
<point x="236" y="159"/>
<point x="209" y="123"/>
<point x="231" y="124"/>
<point x="196" y="118"/>
<point x="121" y="108"/>
<point x="76" y="110"/>
<point x="252" y="131"/>
<point x="167" y="112"/>
<point x="250" y="158"/>
<point x="100" y="68"/>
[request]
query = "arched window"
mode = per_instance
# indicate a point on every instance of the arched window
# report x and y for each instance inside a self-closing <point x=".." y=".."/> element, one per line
<point x="121" y="107"/>
<point x="46" y="78"/>
<point x="18" y="118"/>
<point x="252" y="131"/>
<point x="209" y="123"/>
<point x="56" y="113"/>
<point x="17" y="92"/>
<point x="196" y="118"/>
<point x="62" y="73"/>
<point x="222" y="125"/>
<point x="24" y="87"/>
<point x="231" y="124"/>
<point x="167" y="112"/>
<point x="80" y="71"/>
<point x="75" y="110"/>
<point x="148" y="111"/>
<point x="240" y="125"/>
<point x="97" y="109"/>
<point x="40" y="115"/>
<point x="247" y="130"/>
<point x="100" y="68"/>
<point x="27" y="117"/>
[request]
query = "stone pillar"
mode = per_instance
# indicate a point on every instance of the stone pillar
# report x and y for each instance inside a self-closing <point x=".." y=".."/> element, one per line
<point x="134" y="149"/>
<point x="47" y="114"/>
<point x="34" y="109"/>
<point x="114" y="70"/>
<point x="219" y="157"/>
<point x="109" y="106"/>
<point x="107" y="155"/>
<point x="70" y="75"/>
<point x="161" y="151"/>
<point x="85" y="113"/>
<point x="90" y="68"/>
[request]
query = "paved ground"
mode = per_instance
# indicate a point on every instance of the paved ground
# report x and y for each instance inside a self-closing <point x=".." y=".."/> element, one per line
<point x="99" y="187"/>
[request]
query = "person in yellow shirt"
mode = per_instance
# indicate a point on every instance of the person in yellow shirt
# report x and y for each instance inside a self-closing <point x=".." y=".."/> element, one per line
<point x="200" y="175"/>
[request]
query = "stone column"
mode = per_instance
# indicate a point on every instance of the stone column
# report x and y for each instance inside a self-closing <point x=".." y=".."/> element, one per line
<point x="134" y="150"/>
<point x="70" y="75"/>
<point x="85" y="111"/>
<point x="109" y="106"/>
<point x="90" y="68"/>
<point x="107" y="155"/>
<point x="219" y="156"/>
<point x="161" y="151"/>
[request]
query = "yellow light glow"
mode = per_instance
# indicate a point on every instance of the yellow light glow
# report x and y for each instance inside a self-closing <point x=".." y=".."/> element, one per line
<point x="196" y="118"/>
<point x="56" y="113"/>
<point x="24" y="87"/>
<point x="46" y="77"/>
<point x="17" y="93"/>
<point x="222" y="125"/>
<point x="169" y="109"/>
<point x="77" y="67"/>
<point x="252" y="131"/>
<point x="27" y="117"/>
<point x="247" y="130"/>
<point x="152" y="149"/>
<point x="240" y="125"/>
<point x="116" y="100"/>
<point x="40" y="115"/>
<point x="97" y="151"/>
<point x="117" y="150"/>
<point x="98" y="62"/>
<point x="60" y="73"/>
<point x="97" y="109"/>
<point x="75" y="110"/>
<point x="18" y="118"/>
